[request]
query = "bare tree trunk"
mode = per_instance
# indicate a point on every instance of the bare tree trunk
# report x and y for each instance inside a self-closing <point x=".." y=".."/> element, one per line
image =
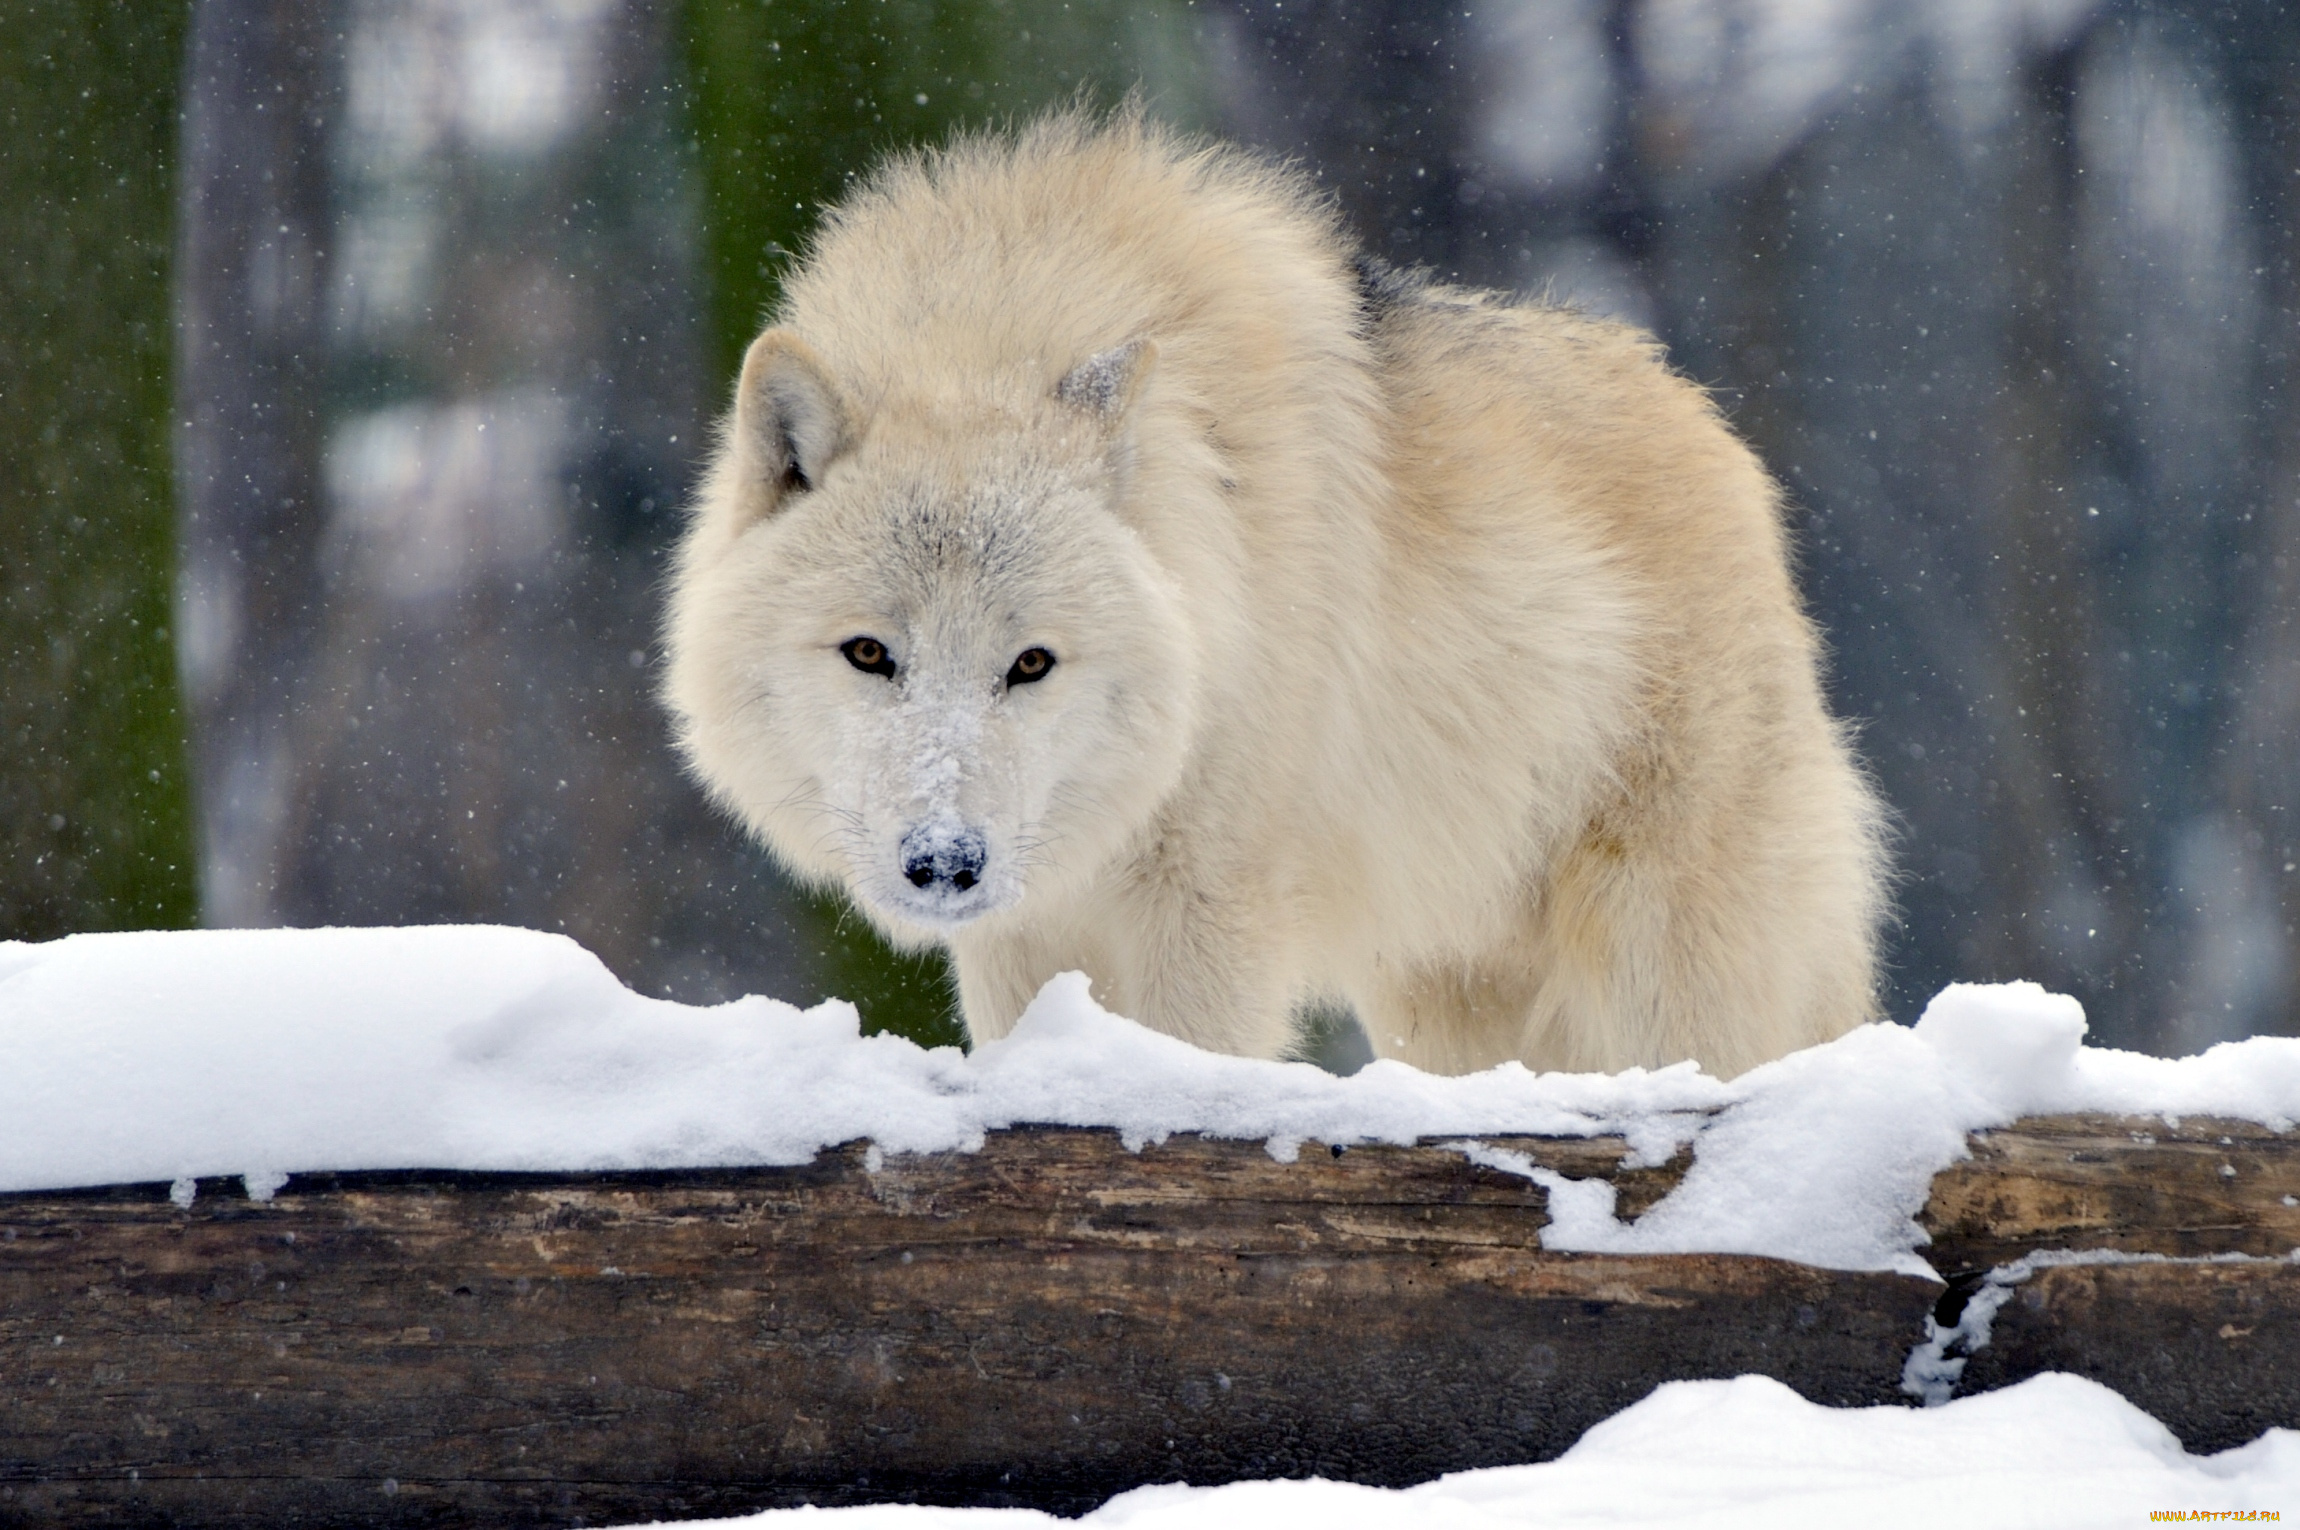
<point x="2262" y="770"/>
<point x="255" y="229"/>
<point x="94" y="811"/>
<point x="442" y="399"/>
<point x="1367" y="94"/>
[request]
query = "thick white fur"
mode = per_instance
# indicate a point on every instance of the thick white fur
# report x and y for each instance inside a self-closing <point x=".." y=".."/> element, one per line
<point x="1416" y="650"/>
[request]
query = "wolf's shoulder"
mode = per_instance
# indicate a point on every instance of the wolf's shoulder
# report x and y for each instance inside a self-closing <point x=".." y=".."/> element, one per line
<point x="1076" y="175"/>
<point x="1015" y="250"/>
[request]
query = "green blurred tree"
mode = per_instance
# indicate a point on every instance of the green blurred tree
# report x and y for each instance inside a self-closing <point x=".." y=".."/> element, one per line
<point x="95" y="821"/>
<point x="791" y="100"/>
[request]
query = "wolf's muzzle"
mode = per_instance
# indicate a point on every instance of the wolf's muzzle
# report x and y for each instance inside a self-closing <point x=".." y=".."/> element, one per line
<point x="936" y="860"/>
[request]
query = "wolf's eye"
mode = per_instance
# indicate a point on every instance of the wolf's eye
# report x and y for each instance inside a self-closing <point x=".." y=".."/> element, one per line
<point x="1030" y="664"/>
<point x="869" y="655"/>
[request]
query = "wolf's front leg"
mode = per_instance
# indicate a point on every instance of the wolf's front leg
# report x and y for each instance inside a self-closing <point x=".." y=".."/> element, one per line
<point x="1185" y="961"/>
<point x="1201" y="957"/>
<point x="998" y="975"/>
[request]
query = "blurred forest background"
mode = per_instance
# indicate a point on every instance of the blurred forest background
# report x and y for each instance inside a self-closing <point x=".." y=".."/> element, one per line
<point x="358" y="355"/>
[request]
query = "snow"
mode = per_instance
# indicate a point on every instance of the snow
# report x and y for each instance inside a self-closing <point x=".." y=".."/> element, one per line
<point x="173" y="1055"/>
<point x="1827" y="1155"/>
<point x="176" y="1056"/>
<point x="2052" y="1451"/>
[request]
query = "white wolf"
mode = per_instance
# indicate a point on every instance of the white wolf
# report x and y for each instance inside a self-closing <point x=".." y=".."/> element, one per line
<point x="1102" y="570"/>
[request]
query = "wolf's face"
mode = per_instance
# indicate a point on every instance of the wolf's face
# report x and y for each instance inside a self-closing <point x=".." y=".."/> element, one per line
<point x="938" y="668"/>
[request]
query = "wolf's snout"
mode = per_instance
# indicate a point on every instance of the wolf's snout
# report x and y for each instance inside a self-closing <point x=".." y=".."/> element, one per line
<point x="938" y="858"/>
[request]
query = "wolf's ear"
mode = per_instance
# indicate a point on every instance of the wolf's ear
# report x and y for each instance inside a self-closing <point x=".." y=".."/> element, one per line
<point x="790" y="422"/>
<point x="1106" y="383"/>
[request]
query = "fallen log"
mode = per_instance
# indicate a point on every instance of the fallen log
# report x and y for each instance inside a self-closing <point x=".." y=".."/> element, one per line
<point x="2136" y="1184"/>
<point x="1045" y="1322"/>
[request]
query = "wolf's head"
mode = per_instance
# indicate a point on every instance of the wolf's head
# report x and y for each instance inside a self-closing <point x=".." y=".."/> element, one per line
<point x="917" y="647"/>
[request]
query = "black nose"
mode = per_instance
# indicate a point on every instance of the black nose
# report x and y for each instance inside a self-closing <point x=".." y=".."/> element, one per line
<point x="932" y="856"/>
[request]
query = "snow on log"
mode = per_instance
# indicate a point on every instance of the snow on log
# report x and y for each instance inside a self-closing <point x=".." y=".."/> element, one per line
<point x="1050" y="1319"/>
<point x="446" y="1226"/>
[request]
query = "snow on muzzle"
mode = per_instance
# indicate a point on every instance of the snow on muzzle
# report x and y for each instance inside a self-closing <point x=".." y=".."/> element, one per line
<point x="936" y="784"/>
<point x="947" y="866"/>
<point x="935" y="855"/>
